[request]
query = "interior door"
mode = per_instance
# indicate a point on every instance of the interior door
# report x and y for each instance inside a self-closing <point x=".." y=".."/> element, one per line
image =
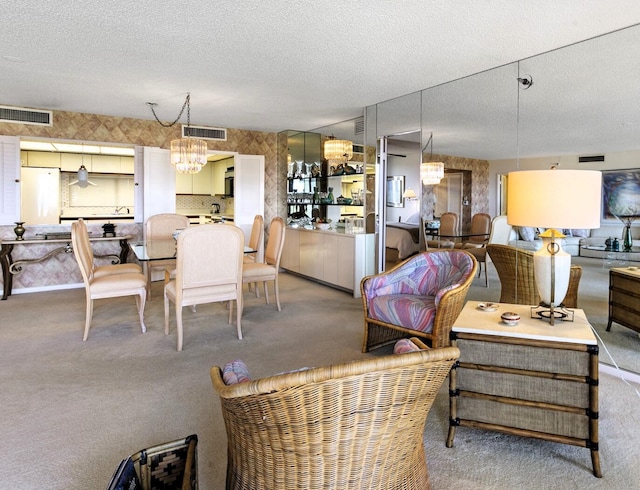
<point x="10" y="172"/>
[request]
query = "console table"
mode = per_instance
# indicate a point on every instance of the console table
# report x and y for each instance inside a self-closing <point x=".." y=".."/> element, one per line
<point x="624" y="297"/>
<point x="9" y="267"/>
<point x="532" y="379"/>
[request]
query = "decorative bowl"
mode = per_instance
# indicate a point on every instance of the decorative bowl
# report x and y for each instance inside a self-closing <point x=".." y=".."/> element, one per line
<point x="488" y="306"/>
<point x="323" y="226"/>
<point x="344" y="200"/>
<point x="326" y="200"/>
<point x="510" y="318"/>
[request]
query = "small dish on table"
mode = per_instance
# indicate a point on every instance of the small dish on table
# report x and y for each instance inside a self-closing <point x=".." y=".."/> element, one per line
<point x="488" y="306"/>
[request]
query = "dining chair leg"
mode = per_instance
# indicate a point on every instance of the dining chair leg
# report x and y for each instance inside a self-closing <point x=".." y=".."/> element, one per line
<point x="147" y="270"/>
<point x="239" y="308"/>
<point x="266" y="291"/>
<point x="230" y="308"/>
<point x="141" y="300"/>
<point x="486" y="277"/>
<point x="166" y="314"/>
<point x="277" y="292"/>
<point x="179" y="325"/>
<point x="88" y="316"/>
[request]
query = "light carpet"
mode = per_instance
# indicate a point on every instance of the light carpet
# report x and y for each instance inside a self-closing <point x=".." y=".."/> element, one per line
<point x="71" y="410"/>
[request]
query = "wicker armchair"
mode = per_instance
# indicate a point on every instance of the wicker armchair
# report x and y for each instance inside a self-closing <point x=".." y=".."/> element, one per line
<point x="515" y="270"/>
<point x="420" y="297"/>
<point x="355" y="425"/>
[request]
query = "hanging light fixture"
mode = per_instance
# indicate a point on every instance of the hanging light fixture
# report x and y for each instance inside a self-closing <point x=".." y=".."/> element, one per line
<point x="188" y="154"/>
<point x="82" y="177"/>
<point x="431" y="173"/>
<point x="338" y="151"/>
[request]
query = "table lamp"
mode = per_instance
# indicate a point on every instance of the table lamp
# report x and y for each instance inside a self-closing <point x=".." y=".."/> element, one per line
<point x="556" y="200"/>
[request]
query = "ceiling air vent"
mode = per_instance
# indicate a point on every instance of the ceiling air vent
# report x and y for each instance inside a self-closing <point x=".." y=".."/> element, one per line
<point x="22" y="115"/>
<point x="358" y="148"/>
<point x="205" y="133"/>
<point x="358" y="125"/>
<point x="592" y="158"/>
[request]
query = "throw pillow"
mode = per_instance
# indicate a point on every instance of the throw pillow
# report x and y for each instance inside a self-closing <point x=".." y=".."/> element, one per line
<point x="235" y="372"/>
<point x="580" y="233"/>
<point x="527" y="233"/>
<point x="404" y="345"/>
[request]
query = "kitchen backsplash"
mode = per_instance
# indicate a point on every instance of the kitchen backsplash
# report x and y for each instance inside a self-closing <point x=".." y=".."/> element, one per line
<point x="204" y="203"/>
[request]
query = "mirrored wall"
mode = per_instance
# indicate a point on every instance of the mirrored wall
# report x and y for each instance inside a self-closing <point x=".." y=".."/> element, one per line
<point x="575" y="107"/>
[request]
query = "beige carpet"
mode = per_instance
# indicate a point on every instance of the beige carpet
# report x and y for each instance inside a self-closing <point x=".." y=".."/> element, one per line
<point x="72" y="410"/>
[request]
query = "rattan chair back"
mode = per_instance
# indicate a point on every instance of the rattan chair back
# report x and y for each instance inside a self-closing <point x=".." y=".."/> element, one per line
<point x="517" y="277"/>
<point x="355" y="425"/>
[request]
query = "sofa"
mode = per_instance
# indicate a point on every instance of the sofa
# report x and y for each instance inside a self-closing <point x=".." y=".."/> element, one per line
<point x="583" y="243"/>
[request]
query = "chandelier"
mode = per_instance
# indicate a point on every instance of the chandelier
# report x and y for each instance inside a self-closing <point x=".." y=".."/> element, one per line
<point x="431" y="173"/>
<point x="188" y="154"/>
<point x="338" y="151"/>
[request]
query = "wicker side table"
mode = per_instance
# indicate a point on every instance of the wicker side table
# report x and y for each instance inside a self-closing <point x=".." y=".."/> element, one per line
<point x="532" y="380"/>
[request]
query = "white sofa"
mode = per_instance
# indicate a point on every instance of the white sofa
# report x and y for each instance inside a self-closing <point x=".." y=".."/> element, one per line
<point x="528" y="241"/>
<point x="591" y="245"/>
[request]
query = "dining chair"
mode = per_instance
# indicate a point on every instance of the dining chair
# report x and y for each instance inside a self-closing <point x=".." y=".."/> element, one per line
<point x="108" y="285"/>
<point x="479" y="231"/>
<point x="104" y="270"/>
<point x="256" y="241"/>
<point x="208" y="270"/>
<point x="448" y="229"/>
<point x="161" y="227"/>
<point x="268" y="270"/>
<point x="499" y="234"/>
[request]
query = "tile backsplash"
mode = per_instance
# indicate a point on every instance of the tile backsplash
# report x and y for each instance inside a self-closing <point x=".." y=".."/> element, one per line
<point x="204" y="203"/>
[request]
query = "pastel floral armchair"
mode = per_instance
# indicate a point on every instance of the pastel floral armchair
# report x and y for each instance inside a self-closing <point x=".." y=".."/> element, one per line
<point x="420" y="297"/>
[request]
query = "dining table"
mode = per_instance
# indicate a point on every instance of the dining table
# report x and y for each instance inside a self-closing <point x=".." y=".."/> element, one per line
<point x="161" y="249"/>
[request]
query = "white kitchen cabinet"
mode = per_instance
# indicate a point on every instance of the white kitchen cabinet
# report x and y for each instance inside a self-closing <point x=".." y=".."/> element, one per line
<point x="202" y="181"/>
<point x="70" y="162"/>
<point x="217" y="176"/>
<point x="42" y="159"/>
<point x="184" y="183"/>
<point x="106" y="164"/>
<point x="337" y="259"/>
<point x="127" y="165"/>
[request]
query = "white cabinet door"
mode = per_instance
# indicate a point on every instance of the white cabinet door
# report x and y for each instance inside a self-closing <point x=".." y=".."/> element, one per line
<point x="249" y="190"/>
<point x="10" y="174"/>
<point x="159" y="182"/>
<point x="291" y="251"/>
<point x="202" y="181"/>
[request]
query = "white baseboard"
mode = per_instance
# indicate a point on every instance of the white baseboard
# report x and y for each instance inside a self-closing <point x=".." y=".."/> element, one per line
<point x="41" y="289"/>
<point x="621" y="373"/>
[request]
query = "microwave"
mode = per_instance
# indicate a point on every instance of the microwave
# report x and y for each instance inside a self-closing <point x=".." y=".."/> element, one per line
<point x="228" y="182"/>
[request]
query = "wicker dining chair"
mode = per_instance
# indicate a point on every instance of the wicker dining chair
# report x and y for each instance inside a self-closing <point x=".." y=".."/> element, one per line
<point x="355" y="425"/>
<point x="517" y="278"/>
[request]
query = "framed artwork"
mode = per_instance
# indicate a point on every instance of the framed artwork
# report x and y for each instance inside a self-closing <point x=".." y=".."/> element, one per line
<point x="620" y="193"/>
<point x="395" y="189"/>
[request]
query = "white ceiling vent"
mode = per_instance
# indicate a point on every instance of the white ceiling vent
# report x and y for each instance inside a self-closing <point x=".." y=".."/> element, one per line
<point x="205" y="133"/>
<point x="359" y="125"/>
<point x="358" y="148"/>
<point x="22" y="115"/>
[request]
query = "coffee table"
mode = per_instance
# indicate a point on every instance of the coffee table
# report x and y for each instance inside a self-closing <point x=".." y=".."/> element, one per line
<point x="532" y="379"/>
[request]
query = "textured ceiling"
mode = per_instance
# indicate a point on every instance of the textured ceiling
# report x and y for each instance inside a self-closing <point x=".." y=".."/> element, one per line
<point x="273" y="65"/>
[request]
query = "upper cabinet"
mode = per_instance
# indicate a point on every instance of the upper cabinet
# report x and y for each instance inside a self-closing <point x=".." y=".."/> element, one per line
<point x="70" y="162"/>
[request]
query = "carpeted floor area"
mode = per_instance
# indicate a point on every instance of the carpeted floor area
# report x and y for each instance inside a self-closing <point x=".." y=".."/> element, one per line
<point x="71" y="410"/>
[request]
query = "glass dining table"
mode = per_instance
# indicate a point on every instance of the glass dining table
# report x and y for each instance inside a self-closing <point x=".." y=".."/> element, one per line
<point x="160" y="249"/>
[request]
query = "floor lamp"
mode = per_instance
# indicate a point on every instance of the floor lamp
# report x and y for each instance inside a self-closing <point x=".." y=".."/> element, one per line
<point x="555" y="200"/>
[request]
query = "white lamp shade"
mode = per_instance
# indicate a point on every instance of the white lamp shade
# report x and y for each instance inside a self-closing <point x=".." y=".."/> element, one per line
<point x="554" y="198"/>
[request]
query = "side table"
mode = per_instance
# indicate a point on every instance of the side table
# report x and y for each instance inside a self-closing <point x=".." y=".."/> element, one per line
<point x="532" y="379"/>
<point x="624" y="297"/>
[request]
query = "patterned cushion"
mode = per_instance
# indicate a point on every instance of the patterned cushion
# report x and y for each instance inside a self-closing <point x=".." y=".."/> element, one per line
<point x="235" y="372"/>
<point x="409" y="295"/>
<point x="527" y="233"/>
<point x="405" y="310"/>
<point x="405" y="345"/>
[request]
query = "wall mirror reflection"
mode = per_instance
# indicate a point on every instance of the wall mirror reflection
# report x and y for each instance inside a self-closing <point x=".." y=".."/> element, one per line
<point x="395" y="189"/>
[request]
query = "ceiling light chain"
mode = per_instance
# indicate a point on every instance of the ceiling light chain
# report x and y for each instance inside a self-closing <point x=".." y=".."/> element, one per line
<point x="188" y="154"/>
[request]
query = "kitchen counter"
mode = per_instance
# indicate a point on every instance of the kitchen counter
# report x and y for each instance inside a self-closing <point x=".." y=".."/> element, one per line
<point x="97" y="217"/>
